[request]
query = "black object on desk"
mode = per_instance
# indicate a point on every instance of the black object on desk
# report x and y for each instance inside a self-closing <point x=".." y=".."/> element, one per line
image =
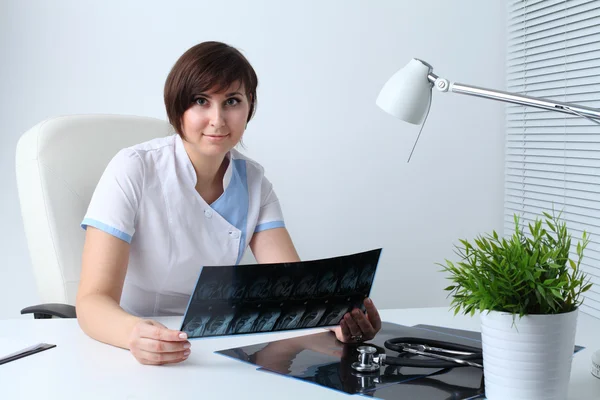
<point x="321" y="359"/>
<point x="26" y="352"/>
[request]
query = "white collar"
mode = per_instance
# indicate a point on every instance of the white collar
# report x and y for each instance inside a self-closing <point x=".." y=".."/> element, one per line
<point x="187" y="168"/>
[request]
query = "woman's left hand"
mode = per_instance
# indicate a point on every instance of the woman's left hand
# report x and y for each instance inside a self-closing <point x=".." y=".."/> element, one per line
<point x="357" y="326"/>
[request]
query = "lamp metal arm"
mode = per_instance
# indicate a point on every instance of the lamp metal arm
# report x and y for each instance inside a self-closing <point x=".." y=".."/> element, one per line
<point x="567" y="108"/>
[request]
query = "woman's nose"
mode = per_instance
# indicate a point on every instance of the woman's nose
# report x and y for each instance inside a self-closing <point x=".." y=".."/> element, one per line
<point x="216" y="118"/>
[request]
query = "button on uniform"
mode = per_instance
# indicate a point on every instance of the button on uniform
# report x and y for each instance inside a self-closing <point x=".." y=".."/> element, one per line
<point x="234" y="234"/>
<point x="208" y="213"/>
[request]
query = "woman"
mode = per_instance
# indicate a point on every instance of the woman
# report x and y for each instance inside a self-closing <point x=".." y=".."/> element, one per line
<point x="167" y="206"/>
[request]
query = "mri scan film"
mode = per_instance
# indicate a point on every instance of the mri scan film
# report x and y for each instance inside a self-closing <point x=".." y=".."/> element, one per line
<point x="244" y="299"/>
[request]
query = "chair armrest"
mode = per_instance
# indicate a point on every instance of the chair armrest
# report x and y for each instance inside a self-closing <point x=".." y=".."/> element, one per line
<point x="45" y="311"/>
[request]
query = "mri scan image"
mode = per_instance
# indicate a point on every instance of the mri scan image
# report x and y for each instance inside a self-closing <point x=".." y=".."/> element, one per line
<point x="195" y="328"/>
<point x="366" y="277"/>
<point x="218" y="324"/>
<point x="266" y="320"/>
<point x="311" y="318"/>
<point x="259" y="288"/>
<point x="234" y="290"/>
<point x="327" y="284"/>
<point x="282" y="288"/>
<point x="290" y="319"/>
<point x="349" y="279"/>
<point x="209" y="290"/>
<point x="244" y="322"/>
<point x="334" y="315"/>
<point x="306" y="287"/>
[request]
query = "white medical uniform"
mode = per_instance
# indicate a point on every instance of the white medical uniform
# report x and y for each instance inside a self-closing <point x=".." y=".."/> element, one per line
<point x="147" y="197"/>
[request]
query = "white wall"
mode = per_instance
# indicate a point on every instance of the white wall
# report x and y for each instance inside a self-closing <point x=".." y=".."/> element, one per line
<point x="337" y="161"/>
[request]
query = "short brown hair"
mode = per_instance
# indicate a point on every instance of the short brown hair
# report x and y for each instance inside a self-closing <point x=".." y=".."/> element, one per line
<point x="203" y="67"/>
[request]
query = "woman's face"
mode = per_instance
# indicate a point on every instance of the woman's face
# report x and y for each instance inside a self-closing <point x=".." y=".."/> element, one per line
<point x="215" y="122"/>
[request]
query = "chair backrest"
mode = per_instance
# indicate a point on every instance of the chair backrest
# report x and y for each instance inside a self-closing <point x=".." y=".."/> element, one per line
<point x="58" y="164"/>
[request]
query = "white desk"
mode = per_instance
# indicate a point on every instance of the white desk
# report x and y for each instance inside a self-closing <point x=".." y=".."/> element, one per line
<point x="81" y="368"/>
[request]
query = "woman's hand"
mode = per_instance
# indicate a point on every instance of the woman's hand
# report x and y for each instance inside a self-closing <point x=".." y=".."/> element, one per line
<point x="357" y="326"/>
<point x="153" y="343"/>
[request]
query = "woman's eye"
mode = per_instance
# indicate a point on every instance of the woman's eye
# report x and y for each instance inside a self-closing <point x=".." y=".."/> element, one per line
<point x="200" y="101"/>
<point x="232" y="101"/>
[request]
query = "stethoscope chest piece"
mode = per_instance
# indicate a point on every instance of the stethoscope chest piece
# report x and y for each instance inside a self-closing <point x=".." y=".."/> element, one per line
<point x="365" y="361"/>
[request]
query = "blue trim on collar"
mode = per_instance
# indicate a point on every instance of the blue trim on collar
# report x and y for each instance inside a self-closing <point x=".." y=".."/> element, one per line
<point x="233" y="204"/>
<point x="106" y="228"/>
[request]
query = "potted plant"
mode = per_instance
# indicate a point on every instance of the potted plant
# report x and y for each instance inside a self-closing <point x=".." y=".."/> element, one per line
<point x="527" y="290"/>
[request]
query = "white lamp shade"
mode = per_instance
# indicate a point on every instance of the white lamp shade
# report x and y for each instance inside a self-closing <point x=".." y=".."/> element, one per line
<point x="407" y="93"/>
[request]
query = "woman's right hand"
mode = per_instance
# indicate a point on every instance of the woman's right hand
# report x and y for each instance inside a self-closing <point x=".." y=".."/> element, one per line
<point x="152" y="343"/>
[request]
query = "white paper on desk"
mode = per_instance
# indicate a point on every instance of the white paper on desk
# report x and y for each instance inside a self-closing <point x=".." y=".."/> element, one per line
<point x="10" y="347"/>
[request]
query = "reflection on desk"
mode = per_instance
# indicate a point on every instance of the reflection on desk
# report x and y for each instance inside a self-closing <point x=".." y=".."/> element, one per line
<point x="321" y="359"/>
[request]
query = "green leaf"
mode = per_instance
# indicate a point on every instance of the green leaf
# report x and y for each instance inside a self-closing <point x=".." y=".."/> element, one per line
<point x="534" y="258"/>
<point x="541" y="290"/>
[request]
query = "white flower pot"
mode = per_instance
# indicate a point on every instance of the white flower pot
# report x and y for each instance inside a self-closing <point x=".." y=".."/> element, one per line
<point x="530" y="359"/>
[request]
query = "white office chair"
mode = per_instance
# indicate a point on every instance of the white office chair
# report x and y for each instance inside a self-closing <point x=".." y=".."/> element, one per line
<point x="58" y="164"/>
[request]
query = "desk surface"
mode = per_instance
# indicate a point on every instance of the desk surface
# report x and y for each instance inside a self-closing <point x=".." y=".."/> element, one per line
<point x="80" y="367"/>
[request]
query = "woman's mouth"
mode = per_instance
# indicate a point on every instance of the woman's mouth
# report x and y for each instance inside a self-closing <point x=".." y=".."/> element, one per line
<point x="215" y="138"/>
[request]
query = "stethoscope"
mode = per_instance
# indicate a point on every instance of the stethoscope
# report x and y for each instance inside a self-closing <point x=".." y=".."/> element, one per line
<point x="444" y="354"/>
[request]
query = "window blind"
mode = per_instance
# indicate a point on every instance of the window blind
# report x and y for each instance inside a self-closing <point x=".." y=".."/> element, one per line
<point x="553" y="159"/>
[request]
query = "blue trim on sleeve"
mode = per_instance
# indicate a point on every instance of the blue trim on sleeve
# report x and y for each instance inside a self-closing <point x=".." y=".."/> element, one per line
<point x="234" y="204"/>
<point x="269" y="225"/>
<point x="106" y="228"/>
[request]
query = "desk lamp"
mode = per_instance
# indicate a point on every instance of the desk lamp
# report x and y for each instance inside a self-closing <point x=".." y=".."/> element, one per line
<point x="407" y="96"/>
